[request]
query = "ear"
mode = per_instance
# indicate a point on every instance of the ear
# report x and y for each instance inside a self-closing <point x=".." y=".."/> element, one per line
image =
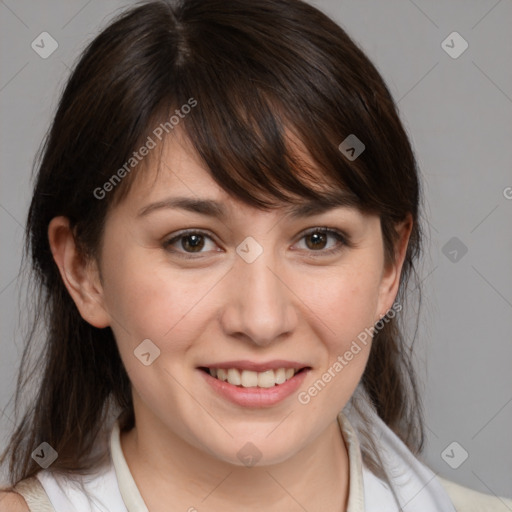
<point x="80" y="276"/>
<point x="390" y="280"/>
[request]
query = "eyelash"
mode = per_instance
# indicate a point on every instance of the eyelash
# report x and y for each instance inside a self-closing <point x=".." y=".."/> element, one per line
<point x="342" y="238"/>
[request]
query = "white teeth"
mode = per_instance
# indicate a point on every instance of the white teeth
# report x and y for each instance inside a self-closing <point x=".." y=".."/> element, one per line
<point x="251" y="379"/>
<point x="280" y="375"/>
<point x="266" y="379"/>
<point x="234" y="377"/>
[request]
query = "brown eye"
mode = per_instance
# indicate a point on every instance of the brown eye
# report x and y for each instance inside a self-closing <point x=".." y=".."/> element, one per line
<point x="189" y="243"/>
<point x="192" y="243"/>
<point x="324" y="241"/>
<point x="317" y="240"/>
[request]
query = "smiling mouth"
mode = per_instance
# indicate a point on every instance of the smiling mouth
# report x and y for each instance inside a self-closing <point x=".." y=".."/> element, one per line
<point x="252" y="379"/>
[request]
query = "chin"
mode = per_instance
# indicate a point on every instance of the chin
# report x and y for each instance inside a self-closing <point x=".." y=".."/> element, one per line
<point x="257" y="450"/>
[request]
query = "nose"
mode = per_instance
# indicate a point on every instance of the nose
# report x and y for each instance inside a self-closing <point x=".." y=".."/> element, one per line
<point x="259" y="305"/>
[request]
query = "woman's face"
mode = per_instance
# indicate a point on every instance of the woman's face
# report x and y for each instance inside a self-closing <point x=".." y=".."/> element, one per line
<point x="253" y="296"/>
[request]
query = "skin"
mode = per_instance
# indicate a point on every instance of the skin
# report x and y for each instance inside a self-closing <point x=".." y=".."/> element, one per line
<point x="287" y="304"/>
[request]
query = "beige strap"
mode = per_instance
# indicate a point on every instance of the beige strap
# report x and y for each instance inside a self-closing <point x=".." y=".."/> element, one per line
<point x="34" y="494"/>
<point x="356" y="485"/>
<point x="127" y="486"/>
<point x="468" y="500"/>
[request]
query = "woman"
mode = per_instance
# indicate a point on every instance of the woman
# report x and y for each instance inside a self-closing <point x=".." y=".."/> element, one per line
<point x="223" y="225"/>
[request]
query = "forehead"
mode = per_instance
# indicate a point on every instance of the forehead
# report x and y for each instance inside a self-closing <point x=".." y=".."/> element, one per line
<point x="173" y="168"/>
<point x="175" y="177"/>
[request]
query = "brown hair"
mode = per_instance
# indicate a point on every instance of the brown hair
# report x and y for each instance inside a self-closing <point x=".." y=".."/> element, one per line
<point x="258" y="70"/>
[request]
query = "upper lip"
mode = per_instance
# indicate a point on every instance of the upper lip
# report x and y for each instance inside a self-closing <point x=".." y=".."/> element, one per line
<point x="256" y="367"/>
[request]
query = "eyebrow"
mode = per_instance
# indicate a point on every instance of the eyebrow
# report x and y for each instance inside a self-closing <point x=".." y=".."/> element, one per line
<point x="213" y="208"/>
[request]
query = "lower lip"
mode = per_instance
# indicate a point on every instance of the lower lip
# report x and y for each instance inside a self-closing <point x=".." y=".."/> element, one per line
<point x="255" y="397"/>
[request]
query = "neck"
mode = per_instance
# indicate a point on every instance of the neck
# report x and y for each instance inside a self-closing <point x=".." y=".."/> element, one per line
<point x="165" y="467"/>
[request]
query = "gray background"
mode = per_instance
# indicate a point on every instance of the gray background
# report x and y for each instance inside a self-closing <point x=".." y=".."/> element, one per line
<point x="458" y="115"/>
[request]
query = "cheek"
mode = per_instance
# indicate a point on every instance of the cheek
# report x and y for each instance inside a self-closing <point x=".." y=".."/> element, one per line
<point x="345" y="301"/>
<point x="343" y="310"/>
<point x="149" y="299"/>
<point x="138" y="300"/>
